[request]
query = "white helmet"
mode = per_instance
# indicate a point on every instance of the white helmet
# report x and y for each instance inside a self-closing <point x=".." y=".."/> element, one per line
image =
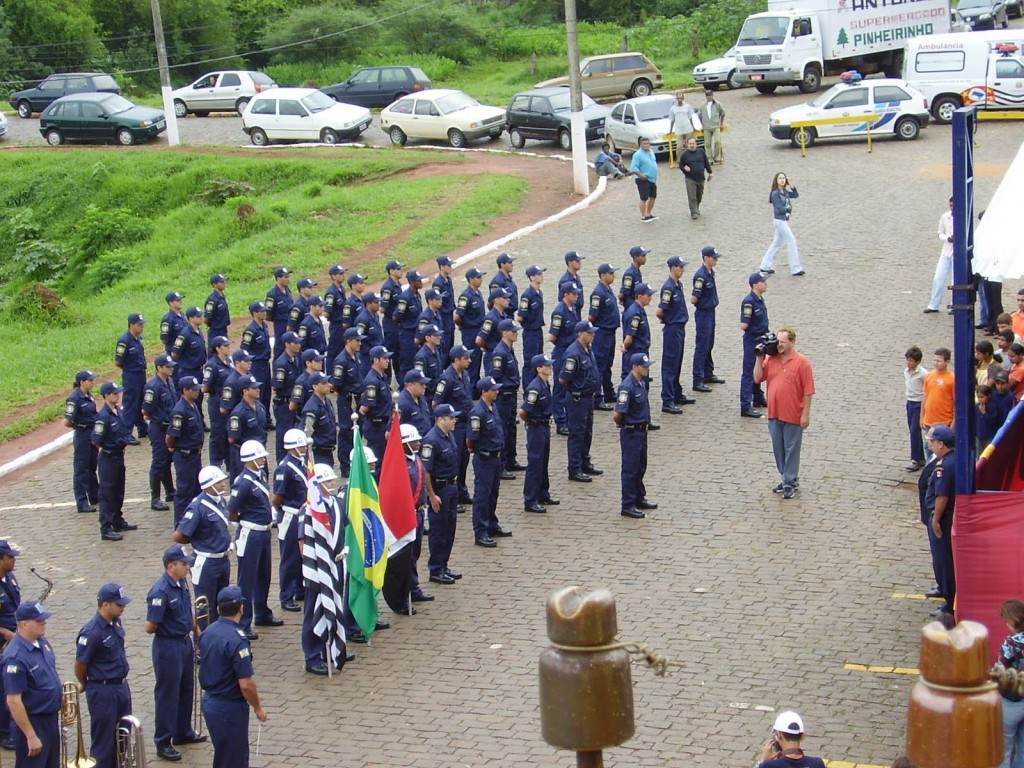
<point x="294" y="438"/>
<point x="410" y="433"/>
<point x="324" y="473"/>
<point x="252" y="450"/>
<point x="371" y="457"/>
<point x="210" y="476"/>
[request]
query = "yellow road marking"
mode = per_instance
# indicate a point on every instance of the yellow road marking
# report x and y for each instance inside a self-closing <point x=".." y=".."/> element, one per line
<point x="844" y="764"/>
<point x="881" y="669"/>
<point x="912" y="596"/>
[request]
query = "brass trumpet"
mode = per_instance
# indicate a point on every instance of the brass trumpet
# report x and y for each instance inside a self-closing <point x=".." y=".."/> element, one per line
<point x="71" y="715"/>
<point x="202" y="613"/>
<point x="131" y="748"/>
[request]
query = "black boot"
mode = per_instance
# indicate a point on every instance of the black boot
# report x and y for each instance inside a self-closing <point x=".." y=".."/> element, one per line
<point x="156" y="502"/>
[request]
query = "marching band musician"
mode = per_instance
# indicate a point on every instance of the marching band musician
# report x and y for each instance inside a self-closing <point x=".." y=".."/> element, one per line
<point x="205" y="526"/>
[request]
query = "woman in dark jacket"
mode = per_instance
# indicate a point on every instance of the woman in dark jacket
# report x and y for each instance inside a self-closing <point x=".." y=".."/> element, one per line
<point x="781" y="195"/>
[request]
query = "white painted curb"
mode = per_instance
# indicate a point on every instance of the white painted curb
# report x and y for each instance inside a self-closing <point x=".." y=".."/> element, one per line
<point x="35" y="455"/>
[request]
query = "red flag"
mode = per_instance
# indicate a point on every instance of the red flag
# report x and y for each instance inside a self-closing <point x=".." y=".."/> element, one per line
<point x="396" y="502"/>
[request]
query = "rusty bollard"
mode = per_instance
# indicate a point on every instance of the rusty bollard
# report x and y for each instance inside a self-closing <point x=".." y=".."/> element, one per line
<point x="955" y="715"/>
<point x="586" y="689"/>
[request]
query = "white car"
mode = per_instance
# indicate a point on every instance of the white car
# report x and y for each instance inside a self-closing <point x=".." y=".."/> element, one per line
<point x="441" y="113"/>
<point x="850" y="108"/>
<point x="3" y="125"/>
<point x="718" y="72"/>
<point x="228" y="91"/>
<point x="642" y="117"/>
<point x="302" y="114"/>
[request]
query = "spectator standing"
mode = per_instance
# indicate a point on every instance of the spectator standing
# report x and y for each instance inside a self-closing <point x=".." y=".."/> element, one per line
<point x="645" y="167"/>
<point x="695" y="166"/>
<point x="937" y="403"/>
<point x="944" y="266"/>
<point x="781" y="196"/>
<point x="681" y="114"/>
<point x="913" y="383"/>
<point x="1011" y="656"/>
<point x="782" y="749"/>
<point x="712" y="117"/>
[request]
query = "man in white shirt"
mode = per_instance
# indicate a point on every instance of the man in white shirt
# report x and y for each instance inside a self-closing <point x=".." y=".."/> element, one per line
<point x="944" y="267"/>
<point x="681" y="115"/>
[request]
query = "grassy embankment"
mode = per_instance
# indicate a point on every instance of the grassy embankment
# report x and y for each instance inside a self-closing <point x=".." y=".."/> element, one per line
<point x="127" y="228"/>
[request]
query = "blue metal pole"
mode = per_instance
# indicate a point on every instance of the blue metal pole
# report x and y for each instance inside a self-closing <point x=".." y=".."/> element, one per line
<point x="964" y="122"/>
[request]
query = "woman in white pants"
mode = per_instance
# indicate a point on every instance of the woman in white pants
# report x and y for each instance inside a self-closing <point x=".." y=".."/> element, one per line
<point x="781" y="195"/>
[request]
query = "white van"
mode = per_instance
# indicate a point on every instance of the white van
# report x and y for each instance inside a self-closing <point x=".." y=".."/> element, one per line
<point x="985" y="69"/>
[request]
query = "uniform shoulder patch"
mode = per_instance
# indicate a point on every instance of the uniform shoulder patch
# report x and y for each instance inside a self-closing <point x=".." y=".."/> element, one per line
<point x="12" y="669"/>
<point x="269" y="302"/>
<point x="177" y="420"/>
<point x="234" y="423"/>
<point x="247" y="337"/>
<point x="243" y="653"/>
<point x="442" y="387"/>
<point x="148" y="396"/>
<point x="297" y="391"/>
<point x="99" y="427"/>
<point x="371" y="391"/>
<point x="698" y="283"/>
<point x="748" y="310"/>
<point x="636" y="322"/>
<point x="474" y="423"/>
<point x="531" y="397"/>
<point x="303" y="331"/>
<point x="623" y="395"/>
<point x="497" y="362"/>
<point x="121" y="347"/>
<point x="556" y="321"/>
<point x="570" y="365"/>
<point x="211" y="305"/>
<point x="156" y="601"/>
<point x="666" y="296"/>
<point x="386" y="294"/>
<point x="310" y="419"/>
<point x="279" y="375"/>
<point x="179" y="342"/>
<point x="241" y="632"/>
<point x="403" y="304"/>
<point x="83" y="640"/>
<point x="426" y="450"/>
<point x="463" y="302"/>
<point x="486" y="327"/>
<point x="69" y="409"/>
<point x="595" y="301"/>
<point x="627" y="281"/>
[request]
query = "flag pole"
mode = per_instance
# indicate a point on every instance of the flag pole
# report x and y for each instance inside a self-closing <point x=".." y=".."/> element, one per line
<point x="396" y="414"/>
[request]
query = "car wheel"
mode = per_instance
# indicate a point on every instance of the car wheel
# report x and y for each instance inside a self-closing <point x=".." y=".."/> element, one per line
<point x="54" y="137"/>
<point x="456" y="138"/>
<point x="180" y="108"/>
<point x="204" y="113"/>
<point x="329" y="136"/>
<point x="733" y="82"/>
<point x="765" y="89"/>
<point x="24" y="110"/>
<point x="809" y="137"/>
<point x="907" y="129"/>
<point x="515" y="138"/>
<point x="241" y="104"/>
<point x="641" y="88"/>
<point x="124" y="137"/>
<point x="565" y="139"/>
<point x="397" y="135"/>
<point x="811" y="81"/>
<point x="258" y="137"/>
<point x="944" y="107"/>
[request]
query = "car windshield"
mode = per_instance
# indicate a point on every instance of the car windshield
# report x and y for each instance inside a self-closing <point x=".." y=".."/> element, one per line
<point x="455" y="102"/>
<point x="318" y="102"/>
<point x="826" y="97"/>
<point x="973" y="4"/>
<point x="561" y="102"/>
<point x="764" y="30"/>
<point x="116" y="104"/>
<point x="654" y="110"/>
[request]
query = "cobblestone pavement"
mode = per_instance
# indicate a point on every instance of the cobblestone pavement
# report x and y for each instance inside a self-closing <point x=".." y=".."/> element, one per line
<point x="762" y="600"/>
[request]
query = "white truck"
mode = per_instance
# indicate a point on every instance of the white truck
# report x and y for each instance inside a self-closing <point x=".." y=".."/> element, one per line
<point x="797" y="42"/>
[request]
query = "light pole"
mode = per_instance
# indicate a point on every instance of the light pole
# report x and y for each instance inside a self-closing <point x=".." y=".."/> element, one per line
<point x="165" y="75"/>
<point x="578" y="131"/>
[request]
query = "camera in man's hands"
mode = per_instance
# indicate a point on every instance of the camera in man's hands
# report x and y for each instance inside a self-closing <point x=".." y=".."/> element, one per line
<point x="767" y="344"/>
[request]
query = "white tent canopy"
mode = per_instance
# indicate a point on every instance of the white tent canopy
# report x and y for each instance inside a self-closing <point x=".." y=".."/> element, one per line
<point x="998" y="245"/>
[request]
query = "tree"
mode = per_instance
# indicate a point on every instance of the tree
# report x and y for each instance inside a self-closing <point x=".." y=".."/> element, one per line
<point x="339" y="33"/>
<point x="52" y="36"/>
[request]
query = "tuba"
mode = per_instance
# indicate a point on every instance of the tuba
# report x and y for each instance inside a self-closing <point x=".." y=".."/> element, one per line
<point x="202" y="614"/>
<point x="71" y="716"/>
<point x="131" y="748"/>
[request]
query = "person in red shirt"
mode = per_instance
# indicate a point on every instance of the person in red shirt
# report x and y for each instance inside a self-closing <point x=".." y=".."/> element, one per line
<point x="790" y="382"/>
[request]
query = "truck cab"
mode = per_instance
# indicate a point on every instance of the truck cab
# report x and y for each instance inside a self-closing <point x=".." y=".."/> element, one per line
<point x="780" y="48"/>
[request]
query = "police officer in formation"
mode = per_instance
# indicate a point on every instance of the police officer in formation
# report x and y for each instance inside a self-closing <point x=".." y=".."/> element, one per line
<point x="440" y="452"/>
<point x="216" y="314"/>
<point x="311" y="330"/>
<point x="470" y="312"/>
<point x="486" y="439"/>
<point x="287" y="498"/>
<point x="300" y="304"/>
<point x="130" y="357"/>
<point x="319" y="420"/>
<point x="347" y="381"/>
<point x="573" y="264"/>
<point x="205" y="526"/>
<point x="111" y="436"/>
<point x="444" y="285"/>
<point x="408" y="308"/>
<point x="287" y="368"/>
<point x="431" y="359"/>
<point x="490" y="332"/>
<point x="10" y="599"/>
<point x="313" y="363"/>
<point x="431" y="314"/>
<point x="101" y="668"/>
<point x="633" y="418"/>
<point x="581" y="381"/>
<point x="456" y="389"/>
<point x="673" y="316"/>
<point x="80" y="415"/>
<point x="189" y="352"/>
<point x="390" y="290"/>
<point x="172" y="325"/>
<point x="503" y="279"/>
<point x="216" y="372"/>
<point x="256" y="341"/>
<point x="279" y="305"/>
<point x="413" y="406"/>
<point x="753" y="324"/>
<point x="704" y="299"/>
<point x="535" y="411"/>
<point x="158" y="401"/>
<point x="632" y="276"/>
<point x="248" y="421"/>
<point x="185" y="443"/>
<point x="335" y="300"/>
<point x="353" y="304"/>
<point x="531" y="315"/>
<point x="368" y="324"/>
<point x="604" y="315"/>
<point x="504" y="369"/>
<point x="375" y="403"/>
<point x="562" y="333"/>
<point x="636" y="327"/>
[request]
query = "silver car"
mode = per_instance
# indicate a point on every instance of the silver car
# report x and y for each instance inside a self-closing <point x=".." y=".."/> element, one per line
<point x="228" y="91"/>
<point x="3" y="125"/>
<point x="642" y="117"/>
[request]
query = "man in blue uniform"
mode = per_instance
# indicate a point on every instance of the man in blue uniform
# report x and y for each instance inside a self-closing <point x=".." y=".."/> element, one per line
<point x="170" y="620"/>
<point x="173" y="323"/>
<point x="561" y="334"/>
<point x="456" y="389"/>
<point x="130" y="357"/>
<point x="231" y="394"/>
<point x="334" y="305"/>
<point x="248" y="421"/>
<point x="443" y="284"/>
<point x="375" y="403"/>
<point x="490" y="332"/>
<point x="110" y="436"/>
<point x="354" y="303"/>
<point x="485" y="439"/>
<point x="311" y="329"/>
<point x="940" y="501"/>
<point x="158" y="401"/>
<point x="185" y="443"/>
<point x="287" y="368"/>
<point x="367" y="322"/>
<point x="300" y="305"/>
<point x="313" y="362"/>
<point x="580" y="378"/>
<point x="503" y="279"/>
<point x="531" y="315"/>
<point x="256" y="341"/>
<point x="430" y="359"/>
<point x="535" y="412"/>
<point x="10" y="599"/>
<point x="632" y="276"/>
<point x="279" y="305"/>
<point x="216" y="373"/>
<point x="189" y="352"/>
<point x="226" y="677"/>
<point x="80" y="415"/>
<point x="470" y="311"/>
<point x="704" y="299"/>
<point x="347" y="382"/>
<point x="673" y="316"/>
<point x="440" y="456"/>
<point x="573" y="263"/>
<point x="101" y="668"/>
<point x="33" y="689"/>
<point x="205" y="526"/>
<point x="633" y="417"/>
<point x="504" y="369"/>
<point x="287" y="498"/>
<point x="753" y="324"/>
<point x="406" y="314"/>
<point x="413" y="406"/>
<point x="319" y="420"/>
<point x="250" y="507"/>
<point x="636" y="328"/>
<point x="431" y="314"/>
<point x="604" y="315"/>
<point x="216" y="314"/>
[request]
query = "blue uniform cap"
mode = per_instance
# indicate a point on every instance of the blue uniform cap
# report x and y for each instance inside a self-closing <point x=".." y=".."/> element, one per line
<point x="218" y="278"/>
<point x="535" y="270"/>
<point x="189" y="382"/>
<point x="757" y="277"/>
<point x="164" y="361"/>
<point x="353" y="333"/>
<point x="135" y="318"/>
<point x="318" y="378"/>
<point x="584" y="326"/>
<point x="290" y="337"/>
<point x="505" y="258"/>
<point x="675" y="261"/>
<point x="229" y="596"/>
<point x="499" y="293"/>
<point x="355" y="278"/>
<point x="445" y="261"/>
<point x="257" y="306"/>
<point x="474" y="272"/>
<point x="311" y="354"/>
<point x="394" y="264"/>
<point x="509" y="325"/>
<point x="173" y="296"/>
<point x="642" y="289"/>
<point x="413" y="276"/>
<point x="942" y="433"/>
<point x="710" y="251"/>
<point x="415" y="376"/>
<point x="84" y="376"/>
<point x="445" y="410"/>
<point x="306" y="283"/>
<point x="220" y="341"/>
<point x="568" y="287"/>
<point x="337" y="269"/>
<point x="640" y="358"/>
<point x="487" y="384"/>
<point x="193" y="312"/>
<point x="175" y="554"/>
<point x="604" y="269"/>
<point x="430" y="330"/>
<point x="370" y="298"/>
<point x="315" y="301"/>
<point x="433" y="293"/>
<point x="379" y="351"/>
<point x="539" y="361"/>
<point x="638" y="250"/>
<point x="573" y="256"/>
<point x="248" y="382"/>
<point x="239" y="355"/>
<point x="113" y="593"/>
<point x="32" y="611"/>
<point x="459" y="351"/>
<point x="282" y="272"/>
<point x="7" y="549"/>
<point x="109" y="388"/>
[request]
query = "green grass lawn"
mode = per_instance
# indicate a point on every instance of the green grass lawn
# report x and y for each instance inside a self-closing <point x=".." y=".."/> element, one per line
<point x="312" y="209"/>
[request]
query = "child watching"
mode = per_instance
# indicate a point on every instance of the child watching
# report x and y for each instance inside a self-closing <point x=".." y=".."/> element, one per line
<point x="988" y="417"/>
<point x="913" y="381"/>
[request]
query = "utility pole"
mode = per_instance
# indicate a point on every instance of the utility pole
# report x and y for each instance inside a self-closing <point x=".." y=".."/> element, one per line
<point x="578" y="131"/>
<point x="165" y="75"/>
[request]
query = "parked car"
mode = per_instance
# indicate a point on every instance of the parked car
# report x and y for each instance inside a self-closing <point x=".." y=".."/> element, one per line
<point x="220" y="92"/>
<point x="3" y="125"/>
<point x="33" y="100"/>
<point x="615" y="74"/>
<point x="643" y="118"/>
<point x="441" y="113"/>
<point x="544" y="114"/>
<point x="99" y="117"/>
<point x="720" y="71"/>
<point x="302" y="114"/>
<point x="1015" y="8"/>
<point x="983" y="14"/>
<point x="883" y="105"/>
<point x="379" y="86"/>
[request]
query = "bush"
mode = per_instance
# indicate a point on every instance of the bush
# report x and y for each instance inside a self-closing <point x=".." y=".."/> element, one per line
<point x="101" y="230"/>
<point x="110" y="268"/>
<point x="348" y="27"/>
<point x="219" y="191"/>
<point x="35" y="303"/>
<point x="31" y="256"/>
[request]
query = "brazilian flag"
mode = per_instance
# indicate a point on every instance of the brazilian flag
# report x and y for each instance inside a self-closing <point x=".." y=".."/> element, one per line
<point x="368" y="540"/>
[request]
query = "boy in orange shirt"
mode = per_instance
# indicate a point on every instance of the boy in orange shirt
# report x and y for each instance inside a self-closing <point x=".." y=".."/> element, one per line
<point x="937" y="405"/>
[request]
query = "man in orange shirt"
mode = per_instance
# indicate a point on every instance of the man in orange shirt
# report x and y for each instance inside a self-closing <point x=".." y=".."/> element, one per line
<point x="790" y="388"/>
<point x="937" y="405"/>
<point x="1017" y="317"/>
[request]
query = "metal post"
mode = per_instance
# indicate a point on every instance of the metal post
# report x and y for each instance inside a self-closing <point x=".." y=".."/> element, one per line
<point x="964" y="122"/>
<point x="165" y="75"/>
<point x="580" y="173"/>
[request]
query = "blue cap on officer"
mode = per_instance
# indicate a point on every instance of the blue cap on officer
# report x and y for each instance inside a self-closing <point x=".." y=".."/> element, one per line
<point x="534" y="270"/>
<point x="241" y="355"/>
<point x="430" y="330"/>
<point x="337" y="269"/>
<point x="189" y="382"/>
<point x="413" y="276"/>
<point x="447" y="409"/>
<point x="459" y="351"/>
<point x="757" y="277"/>
<point x="282" y="272"/>
<point x="311" y="354"/>
<point x="113" y="593"/>
<point x="355" y="278"/>
<point x="219" y="341"/>
<point x="499" y="293"/>
<point x="257" y="306"/>
<point x="710" y="252"/>
<point x="173" y="296"/>
<point x="193" y="312"/>
<point x="84" y="376"/>
<point x="568" y="287"/>
<point x="487" y="384"/>
<point x="640" y="358"/>
<point x="540" y="361"/>
<point x="109" y="388"/>
<point x="176" y="554"/>
<point x="32" y="611"/>
<point x="641" y="289"/>
<point x="370" y="298"/>
<point x="318" y="378"/>
<point x="230" y="596"/>
<point x="136" y="318"/>
<point x="942" y="433"/>
<point x="248" y="382"/>
<point x="315" y="301"/>
<point x="604" y="269"/>
<point x="164" y="361"/>
<point x="509" y="325"/>
<point x="433" y="293"/>
<point x="380" y="351"/>
<point x="306" y="283"/>
<point x="353" y="333"/>
<point x="505" y="258"/>
<point x="394" y="264"/>
<point x="445" y="261"/>
<point x="676" y="261"/>
<point x="637" y="251"/>
<point x="6" y="548"/>
<point x="573" y="256"/>
<point x="473" y="272"/>
<point x="290" y="337"/>
<point x="218" y="278"/>
<point x="415" y="376"/>
<point x="584" y="326"/>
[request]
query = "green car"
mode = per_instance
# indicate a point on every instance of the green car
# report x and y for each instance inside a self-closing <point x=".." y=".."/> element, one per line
<point x="99" y="117"/>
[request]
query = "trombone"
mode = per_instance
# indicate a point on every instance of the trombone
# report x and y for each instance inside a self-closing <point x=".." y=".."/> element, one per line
<point x="202" y="614"/>
<point x="71" y="715"/>
<point x="131" y="748"/>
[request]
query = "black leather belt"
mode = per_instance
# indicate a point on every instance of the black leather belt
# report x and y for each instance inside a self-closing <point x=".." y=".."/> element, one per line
<point x="280" y="400"/>
<point x="112" y="681"/>
<point x="377" y="421"/>
<point x="635" y="427"/>
<point x="84" y="428"/>
<point x="538" y="422"/>
<point x="488" y="454"/>
<point x="188" y="451"/>
<point x="442" y="482"/>
<point x="118" y="452"/>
